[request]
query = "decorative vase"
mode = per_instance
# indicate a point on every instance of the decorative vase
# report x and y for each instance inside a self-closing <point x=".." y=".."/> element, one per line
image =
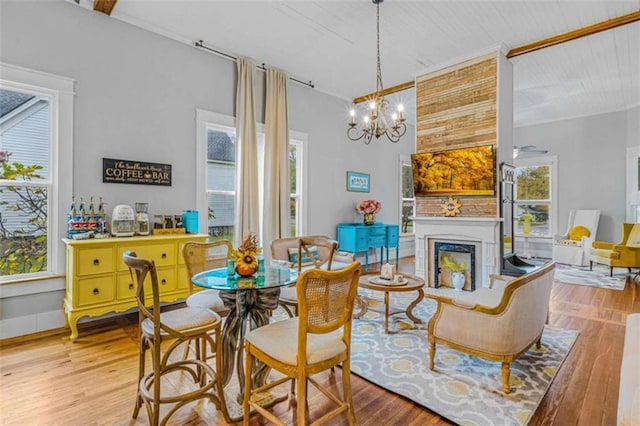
<point x="369" y="218"/>
<point x="457" y="279"/>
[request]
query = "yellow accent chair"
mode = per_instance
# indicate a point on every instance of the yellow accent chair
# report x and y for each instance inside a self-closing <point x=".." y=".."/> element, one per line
<point x="497" y="323"/>
<point x="300" y="347"/>
<point x="625" y="254"/>
<point x="573" y="247"/>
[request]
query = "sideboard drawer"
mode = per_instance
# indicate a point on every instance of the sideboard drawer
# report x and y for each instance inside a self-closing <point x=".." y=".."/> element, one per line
<point x="392" y="236"/>
<point x="95" y="290"/>
<point x="183" y="277"/>
<point x="166" y="280"/>
<point x="161" y="254"/>
<point x="94" y="261"/>
<point x="126" y="288"/>
<point x="376" y="240"/>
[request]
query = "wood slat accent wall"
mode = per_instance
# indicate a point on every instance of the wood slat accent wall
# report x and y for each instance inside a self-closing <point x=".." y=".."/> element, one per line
<point x="456" y="108"/>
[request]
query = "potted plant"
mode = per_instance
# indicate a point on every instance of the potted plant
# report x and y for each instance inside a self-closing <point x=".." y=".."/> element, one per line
<point x="457" y="272"/>
<point x="369" y="208"/>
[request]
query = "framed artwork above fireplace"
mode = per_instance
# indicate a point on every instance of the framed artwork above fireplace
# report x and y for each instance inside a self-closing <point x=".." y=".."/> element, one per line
<point x="455" y="172"/>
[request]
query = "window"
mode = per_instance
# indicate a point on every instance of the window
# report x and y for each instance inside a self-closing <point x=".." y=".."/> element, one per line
<point x="535" y="193"/>
<point x="36" y="124"/>
<point x="217" y="140"/>
<point x="221" y="178"/>
<point x="296" y="175"/>
<point x="407" y="197"/>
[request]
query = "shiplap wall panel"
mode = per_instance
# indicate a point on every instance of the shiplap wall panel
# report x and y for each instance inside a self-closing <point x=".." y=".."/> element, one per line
<point x="456" y="107"/>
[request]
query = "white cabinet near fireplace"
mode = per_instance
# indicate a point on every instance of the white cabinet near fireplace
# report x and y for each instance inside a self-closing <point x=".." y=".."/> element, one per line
<point x="482" y="233"/>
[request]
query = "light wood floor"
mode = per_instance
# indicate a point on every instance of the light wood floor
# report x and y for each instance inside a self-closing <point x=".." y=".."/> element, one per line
<point x="47" y="380"/>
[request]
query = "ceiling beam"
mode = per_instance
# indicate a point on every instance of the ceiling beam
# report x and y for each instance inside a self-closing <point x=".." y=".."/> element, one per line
<point x="384" y="92"/>
<point x="104" y="6"/>
<point x="531" y="47"/>
<point x="575" y="34"/>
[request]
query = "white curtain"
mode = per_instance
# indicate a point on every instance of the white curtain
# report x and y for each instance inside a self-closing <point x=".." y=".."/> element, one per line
<point x="247" y="214"/>
<point x="276" y="159"/>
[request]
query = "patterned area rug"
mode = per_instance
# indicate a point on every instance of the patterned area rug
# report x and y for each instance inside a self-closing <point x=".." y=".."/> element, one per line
<point x="599" y="277"/>
<point x="462" y="388"/>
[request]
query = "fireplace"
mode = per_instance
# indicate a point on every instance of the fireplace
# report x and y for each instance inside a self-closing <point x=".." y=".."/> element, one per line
<point x="458" y="253"/>
<point x="483" y="233"/>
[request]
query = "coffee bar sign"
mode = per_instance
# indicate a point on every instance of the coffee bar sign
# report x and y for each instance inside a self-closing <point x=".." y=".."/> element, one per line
<point x="135" y="172"/>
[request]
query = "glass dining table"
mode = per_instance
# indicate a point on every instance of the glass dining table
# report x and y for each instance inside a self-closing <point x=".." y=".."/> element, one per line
<point x="249" y="299"/>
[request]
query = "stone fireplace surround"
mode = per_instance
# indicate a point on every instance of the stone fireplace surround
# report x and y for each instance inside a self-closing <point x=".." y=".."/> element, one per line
<point x="484" y="232"/>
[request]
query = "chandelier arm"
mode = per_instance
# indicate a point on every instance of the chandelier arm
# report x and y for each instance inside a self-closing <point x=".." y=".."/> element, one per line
<point x="367" y="139"/>
<point x="395" y="135"/>
<point x="350" y="131"/>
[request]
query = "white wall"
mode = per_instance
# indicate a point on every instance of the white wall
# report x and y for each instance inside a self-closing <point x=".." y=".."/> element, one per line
<point x="136" y="97"/>
<point x="633" y="127"/>
<point x="591" y="165"/>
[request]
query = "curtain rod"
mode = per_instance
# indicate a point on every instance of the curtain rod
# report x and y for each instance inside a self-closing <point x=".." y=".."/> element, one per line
<point x="201" y="45"/>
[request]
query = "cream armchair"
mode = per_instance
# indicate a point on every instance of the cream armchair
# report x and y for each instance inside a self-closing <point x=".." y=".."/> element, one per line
<point x="573" y="247"/>
<point x="282" y="249"/>
<point x="498" y="323"/>
<point x="324" y="256"/>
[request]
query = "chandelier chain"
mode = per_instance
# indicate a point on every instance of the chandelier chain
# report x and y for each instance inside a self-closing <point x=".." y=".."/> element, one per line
<point x="379" y="77"/>
<point x="376" y="123"/>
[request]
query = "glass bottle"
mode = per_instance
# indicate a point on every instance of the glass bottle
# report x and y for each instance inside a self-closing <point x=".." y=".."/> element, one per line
<point x="231" y="267"/>
<point x="260" y="265"/>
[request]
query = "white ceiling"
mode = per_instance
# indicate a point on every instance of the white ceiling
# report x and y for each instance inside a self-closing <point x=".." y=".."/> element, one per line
<point x="332" y="43"/>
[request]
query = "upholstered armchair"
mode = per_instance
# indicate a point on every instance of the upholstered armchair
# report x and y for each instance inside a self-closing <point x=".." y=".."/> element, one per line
<point x="286" y="250"/>
<point x="625" y="254"/>
<point x="312" y="252"/>
<point x="498" y="323"/>
<point x="573" y="247"/>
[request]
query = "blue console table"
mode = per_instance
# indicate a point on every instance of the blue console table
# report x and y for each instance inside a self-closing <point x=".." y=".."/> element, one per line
<point x="357" y="237"/>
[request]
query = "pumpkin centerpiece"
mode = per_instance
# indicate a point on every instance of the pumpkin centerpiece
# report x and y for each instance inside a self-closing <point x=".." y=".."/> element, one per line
<point x="246" y="256"/>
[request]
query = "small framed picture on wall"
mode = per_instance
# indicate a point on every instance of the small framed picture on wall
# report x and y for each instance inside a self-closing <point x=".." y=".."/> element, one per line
<point x="358" y="182"/>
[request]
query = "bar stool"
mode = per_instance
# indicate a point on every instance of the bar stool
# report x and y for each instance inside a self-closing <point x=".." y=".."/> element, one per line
<point x="180" y="326"/>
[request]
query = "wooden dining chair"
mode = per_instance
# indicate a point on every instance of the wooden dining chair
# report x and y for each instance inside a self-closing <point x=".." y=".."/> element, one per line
<point x="200" y="257"/>
<point x="317" y="340"/>
<point x="180" y="327"/>
<point x="307" y="257"/>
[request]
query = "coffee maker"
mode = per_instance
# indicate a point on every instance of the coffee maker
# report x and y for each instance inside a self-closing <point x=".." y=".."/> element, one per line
<point x="142" y="219"/>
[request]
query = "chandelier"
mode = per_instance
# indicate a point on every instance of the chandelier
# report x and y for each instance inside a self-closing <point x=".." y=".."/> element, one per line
<point x="375" y="121"/>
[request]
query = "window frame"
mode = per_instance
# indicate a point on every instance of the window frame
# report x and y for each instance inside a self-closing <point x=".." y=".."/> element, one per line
<point x="552" y="162"/>
<point x="405" y="160"/>
<point x="206" y="120"/>
<point x="60" y="94"/>
<point x="300" y="140"/>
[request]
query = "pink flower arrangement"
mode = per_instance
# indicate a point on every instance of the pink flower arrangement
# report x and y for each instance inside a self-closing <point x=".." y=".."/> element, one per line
<point x="368" y="206"/>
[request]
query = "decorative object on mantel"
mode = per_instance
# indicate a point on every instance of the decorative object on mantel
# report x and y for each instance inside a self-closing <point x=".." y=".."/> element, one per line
<point x="246" y="256"/>
<point x="375" y="122"/>
<point x="451" y="207"/>
<point x="369" y="208"/>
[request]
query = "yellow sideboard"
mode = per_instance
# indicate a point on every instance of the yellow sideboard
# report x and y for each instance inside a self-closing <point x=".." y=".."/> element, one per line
<point x="98" y="281"/>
